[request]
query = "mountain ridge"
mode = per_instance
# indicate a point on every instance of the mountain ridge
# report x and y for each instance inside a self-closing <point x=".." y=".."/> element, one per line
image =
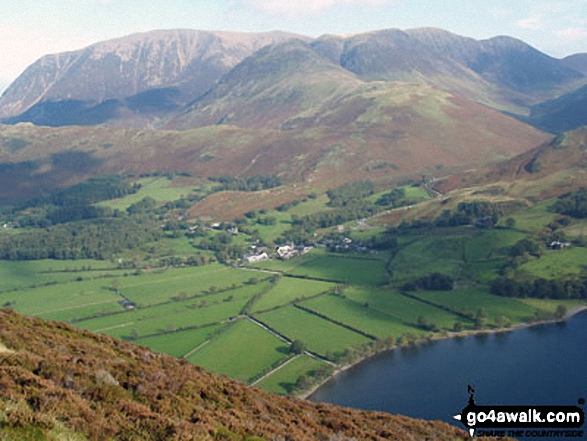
<point x="103" y="83"/>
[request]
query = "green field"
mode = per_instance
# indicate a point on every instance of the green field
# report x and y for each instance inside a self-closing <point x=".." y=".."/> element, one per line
<point x="534" y="218"/>
<point x="283" y="380"/>
<point x="345" y="269"/>
<point x="160" y="189"/>
<point x="320" y="336"/>
<point x="158" y="287"/>
<point x="550" y="305"/>
<point x="20" y="274"/>
<point x="180" y="343"/>
<point x="396" y="305"/>
<point x="242" y="351"/>
<point x="557" y="264"/>
<point x="475" y="298"/>
<point x="442" y="254"/>
<point x="52" y="299"/>
<point x="175" y="315"/>
<point x="357" y="316"/>
<point x="289" y="289"/>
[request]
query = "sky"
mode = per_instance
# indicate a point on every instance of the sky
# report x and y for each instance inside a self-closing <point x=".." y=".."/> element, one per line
<point x="30" y="29"/>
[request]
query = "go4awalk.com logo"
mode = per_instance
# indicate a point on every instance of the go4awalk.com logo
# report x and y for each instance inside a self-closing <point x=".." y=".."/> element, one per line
<point x="547" y="422"/>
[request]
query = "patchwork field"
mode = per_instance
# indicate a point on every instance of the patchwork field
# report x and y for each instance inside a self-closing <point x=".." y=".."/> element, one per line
<point x="320" y="336"/>
<point x="474" y="299"/>
<point x="180" y="343"/>
<point x="283" y="380"/>
<point x="287" y="290"/>
<point x="361" y="317"/>
<point x="242" y="351"/>
<point x="400" y="307"/>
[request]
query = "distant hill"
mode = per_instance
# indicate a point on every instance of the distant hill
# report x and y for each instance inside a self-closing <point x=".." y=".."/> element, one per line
<point x="59" y="382"/>
<point x="577" y="62"/>
<point x="564" y="113"/>
<point x="143" y="80"/>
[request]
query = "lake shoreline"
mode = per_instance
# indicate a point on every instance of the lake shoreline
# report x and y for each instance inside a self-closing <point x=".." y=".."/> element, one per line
<point x="437" y="337"/>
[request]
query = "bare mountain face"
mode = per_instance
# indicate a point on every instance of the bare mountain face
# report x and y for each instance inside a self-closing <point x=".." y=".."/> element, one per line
<point x="144" y="79"/>
<point x="159" y="67"/>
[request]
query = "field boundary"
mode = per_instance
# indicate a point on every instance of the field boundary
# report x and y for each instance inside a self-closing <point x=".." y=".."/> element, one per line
<point x="336" y="322"/>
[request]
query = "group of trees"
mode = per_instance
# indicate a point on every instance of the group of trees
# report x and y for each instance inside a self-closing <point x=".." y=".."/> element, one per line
<point x="96" y="239"/>
<point x="350" y="194"/>
<point x="432" y="282"/>
<point x="541" y="288"/>
<point x="254" y="183"/>
<point x="481" y="213"/>
<point x="572" y="204"/>
<point x="224" y="247"/>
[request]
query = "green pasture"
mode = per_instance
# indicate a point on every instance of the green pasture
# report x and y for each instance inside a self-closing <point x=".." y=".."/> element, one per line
<point x="557" y="264"/>
<point x="310" y="206"/>
<point x="534" y="218"/>
<point x="429" y="255"/>
<point x="319" y="335"/>
<point x="180" y="343"/>
<point x="343" y="269"/>
<point x="361" y="317"/>
<point x="242" y="351"/>
<point x="162" y="286"/>
<point x="550" y="305"/>
<point x="289" y="289"/>
<point x="401" y="307"/>
<point x="46" y="301"/>
<point x="284" y="379"/>
<point x="173" y="316"/>
<point x="160" y="189"/>
<point x="475" y="298"/>
<point x="26" y="273"/>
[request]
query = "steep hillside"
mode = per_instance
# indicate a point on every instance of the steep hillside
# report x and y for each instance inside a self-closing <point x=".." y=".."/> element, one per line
<point x="58" y="382"/>
<point x="564" y="113"/>
<point x="379" y="130"/>
<point x="502" y="60"/>
<point x="274" y="84"/>
<point x="547" y="171"/>
<point x="182" y="63"/>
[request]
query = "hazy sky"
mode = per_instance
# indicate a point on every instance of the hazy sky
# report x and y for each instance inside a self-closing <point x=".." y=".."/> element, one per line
<point x="32" y="28"/>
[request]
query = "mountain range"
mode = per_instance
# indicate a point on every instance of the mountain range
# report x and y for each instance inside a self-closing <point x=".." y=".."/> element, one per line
<point x="186" y="79"/>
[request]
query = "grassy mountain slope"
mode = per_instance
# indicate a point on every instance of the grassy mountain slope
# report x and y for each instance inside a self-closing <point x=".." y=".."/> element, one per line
<point x="57" y="381"/>
<point x="269" y="87"/>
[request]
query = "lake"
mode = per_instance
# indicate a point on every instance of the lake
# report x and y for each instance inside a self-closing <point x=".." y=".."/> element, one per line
<point x="539" y="365"/>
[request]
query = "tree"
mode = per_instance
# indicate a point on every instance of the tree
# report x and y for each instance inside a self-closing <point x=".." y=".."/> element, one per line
<point x="561" y="312"/>
<point x="510" y="222"/>
<point x="297" y="347"/>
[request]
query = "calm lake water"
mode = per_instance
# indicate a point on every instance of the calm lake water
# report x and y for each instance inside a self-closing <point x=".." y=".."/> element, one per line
<point x="541" y="365"/>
